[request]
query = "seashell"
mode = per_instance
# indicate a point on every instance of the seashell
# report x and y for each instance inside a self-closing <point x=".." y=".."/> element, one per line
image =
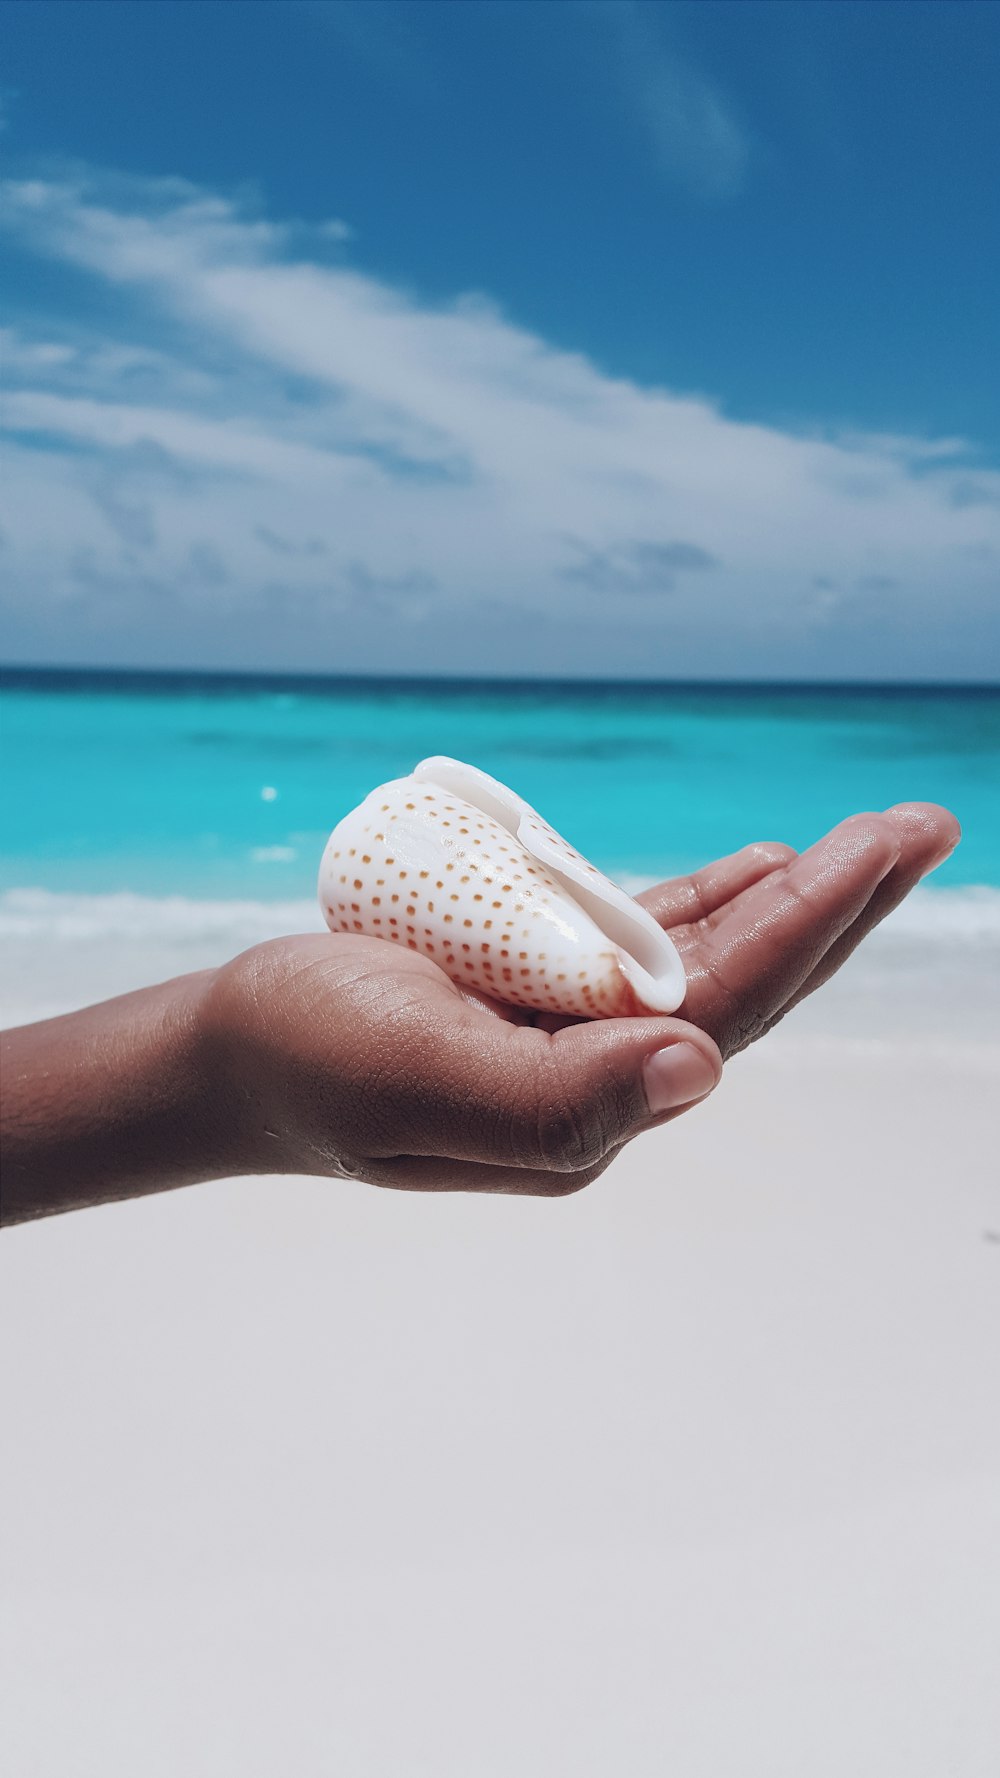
<point x="450" y="863"/>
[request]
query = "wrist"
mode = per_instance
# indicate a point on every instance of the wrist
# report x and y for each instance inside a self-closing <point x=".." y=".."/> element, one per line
<point x="213" y="1043"/>
<point x="205" y="1053"/>
<point x="268" y="1087"/>
<point x="238" y="1079"/>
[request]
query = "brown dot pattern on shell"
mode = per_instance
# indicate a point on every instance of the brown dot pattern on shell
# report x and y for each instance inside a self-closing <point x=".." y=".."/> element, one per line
<point x="517" y="935"/>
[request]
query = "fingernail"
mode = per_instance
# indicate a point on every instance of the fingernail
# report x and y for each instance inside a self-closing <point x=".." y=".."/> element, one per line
<point x="676" y="1075"/>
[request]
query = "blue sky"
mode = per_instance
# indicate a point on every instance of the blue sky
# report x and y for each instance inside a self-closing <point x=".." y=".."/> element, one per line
<point x="576" y="338"/>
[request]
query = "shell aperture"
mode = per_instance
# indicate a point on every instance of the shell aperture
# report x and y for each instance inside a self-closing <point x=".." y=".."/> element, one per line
<point x="450" y="863"/>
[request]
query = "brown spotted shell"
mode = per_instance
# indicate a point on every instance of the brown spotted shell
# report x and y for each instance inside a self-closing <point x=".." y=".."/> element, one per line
<point x="450" y="863"/>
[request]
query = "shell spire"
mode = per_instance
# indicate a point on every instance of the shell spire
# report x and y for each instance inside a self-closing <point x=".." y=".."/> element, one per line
<point x="450" y="863"/>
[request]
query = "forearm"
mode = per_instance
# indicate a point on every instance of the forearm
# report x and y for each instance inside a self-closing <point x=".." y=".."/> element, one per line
<point x="112" y="1102"/>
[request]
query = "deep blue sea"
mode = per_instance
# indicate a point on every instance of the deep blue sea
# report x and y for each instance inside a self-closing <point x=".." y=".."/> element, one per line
<point x="211" y="786"/>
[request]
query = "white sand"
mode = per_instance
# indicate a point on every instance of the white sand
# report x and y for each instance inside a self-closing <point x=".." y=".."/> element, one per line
<point x="697" y="1473"/>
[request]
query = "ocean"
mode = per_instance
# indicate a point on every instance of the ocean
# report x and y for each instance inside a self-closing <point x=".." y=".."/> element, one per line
<point x="221" y="789"/>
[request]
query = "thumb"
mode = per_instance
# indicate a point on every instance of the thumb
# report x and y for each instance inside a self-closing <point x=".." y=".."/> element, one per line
<point x="513" y="1095"/>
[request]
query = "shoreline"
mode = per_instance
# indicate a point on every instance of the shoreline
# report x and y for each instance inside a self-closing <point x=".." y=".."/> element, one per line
<point x="924" y="976"/>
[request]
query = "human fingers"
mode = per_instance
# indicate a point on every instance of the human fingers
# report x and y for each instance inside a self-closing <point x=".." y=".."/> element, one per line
<point x="706" y="890"/>
<point x="745" y="966"/>
<point x="437" y="1173"/>
<point x="928" y="834"/>
<point x="343" y="1055"/>
<point x="455" y="1083"/>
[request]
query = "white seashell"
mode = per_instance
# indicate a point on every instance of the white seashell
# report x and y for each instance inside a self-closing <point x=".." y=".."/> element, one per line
<point x="452" y="864"/>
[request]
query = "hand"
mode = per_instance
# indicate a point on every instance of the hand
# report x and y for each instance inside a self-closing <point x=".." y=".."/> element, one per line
<point x="344" y="1056"/>
<point x="340" y="1054"/>
<point x="760" y="930"/>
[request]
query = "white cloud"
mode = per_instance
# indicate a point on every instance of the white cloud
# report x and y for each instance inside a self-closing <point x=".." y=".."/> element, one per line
<point x="286" y="459"/>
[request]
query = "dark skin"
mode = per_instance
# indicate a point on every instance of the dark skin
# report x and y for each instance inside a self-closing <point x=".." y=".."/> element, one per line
<point x="339" y="1055"/>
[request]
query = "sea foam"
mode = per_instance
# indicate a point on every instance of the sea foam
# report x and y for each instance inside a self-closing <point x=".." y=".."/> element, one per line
<point x="965" y="915"/>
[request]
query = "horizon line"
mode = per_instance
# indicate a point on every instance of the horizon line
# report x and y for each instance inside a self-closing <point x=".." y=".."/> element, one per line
<point x="304" y="677"/>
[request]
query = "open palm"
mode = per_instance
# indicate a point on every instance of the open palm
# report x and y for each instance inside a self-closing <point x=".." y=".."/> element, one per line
<point x="343" y="1055"/>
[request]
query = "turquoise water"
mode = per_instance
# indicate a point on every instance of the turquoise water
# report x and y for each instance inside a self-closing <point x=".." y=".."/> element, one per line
<point x="227" y="786"/>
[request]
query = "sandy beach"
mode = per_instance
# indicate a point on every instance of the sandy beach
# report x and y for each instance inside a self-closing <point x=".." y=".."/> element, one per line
<point x="697" y="1472"/>
<point x="593" y="396"/>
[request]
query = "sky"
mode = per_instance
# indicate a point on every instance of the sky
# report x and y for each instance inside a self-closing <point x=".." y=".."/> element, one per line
<point x="580" y="339"/>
